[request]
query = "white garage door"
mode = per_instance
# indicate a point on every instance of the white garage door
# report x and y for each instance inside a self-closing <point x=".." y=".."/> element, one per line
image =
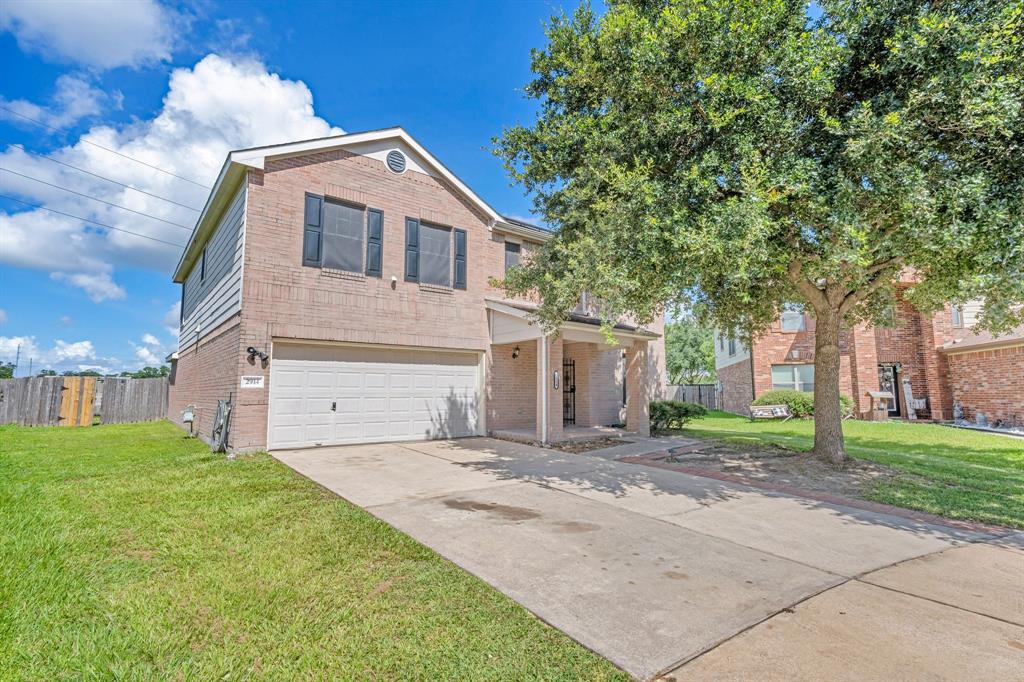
<point x="331" y="395"/>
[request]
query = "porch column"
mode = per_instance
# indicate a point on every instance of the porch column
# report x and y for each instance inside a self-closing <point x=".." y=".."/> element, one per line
<point x="549" y="399"/>
<point x="638" y="390"/>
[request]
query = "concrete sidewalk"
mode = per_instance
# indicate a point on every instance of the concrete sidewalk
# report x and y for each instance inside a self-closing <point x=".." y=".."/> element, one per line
<point x="651" y="568"/>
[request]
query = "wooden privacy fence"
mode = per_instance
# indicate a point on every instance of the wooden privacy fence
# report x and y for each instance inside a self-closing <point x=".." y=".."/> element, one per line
<point x="702" y="394"/>
<point x="74" y="401"/>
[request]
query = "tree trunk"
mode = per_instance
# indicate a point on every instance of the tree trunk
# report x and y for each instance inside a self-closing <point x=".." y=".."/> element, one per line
<point x="828" y="420"/>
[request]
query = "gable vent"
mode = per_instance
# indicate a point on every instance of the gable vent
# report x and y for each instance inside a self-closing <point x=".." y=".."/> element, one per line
<point x="396" y="161"/>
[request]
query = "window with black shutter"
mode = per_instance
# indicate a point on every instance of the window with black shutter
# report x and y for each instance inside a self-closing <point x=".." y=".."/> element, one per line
<point x="341" y="236"/>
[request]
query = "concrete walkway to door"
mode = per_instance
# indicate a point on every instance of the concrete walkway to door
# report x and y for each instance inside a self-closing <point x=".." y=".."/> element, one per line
<point x="653" y="568"/>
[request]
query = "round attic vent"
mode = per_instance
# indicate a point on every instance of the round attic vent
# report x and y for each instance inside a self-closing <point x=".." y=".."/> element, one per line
<point x="396" y="161"/>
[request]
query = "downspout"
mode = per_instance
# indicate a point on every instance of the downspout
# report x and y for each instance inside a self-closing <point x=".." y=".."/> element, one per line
<point x="543" y="389"/>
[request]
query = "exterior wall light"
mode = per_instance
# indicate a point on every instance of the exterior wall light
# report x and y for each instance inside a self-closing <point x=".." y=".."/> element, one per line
<point x="515" y="352"/>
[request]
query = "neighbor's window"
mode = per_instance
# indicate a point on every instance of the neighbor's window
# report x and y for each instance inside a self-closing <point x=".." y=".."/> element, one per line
<point x="958" y="316"/>
<point x="792" y="318"/>
<point x="797" y="377"/>
<point x="435" y="255"/>
<point x="721" y="342"/>
<point x="888" y="317"/>
<point x="513" y="253"/>
<point x="732" y="346"/>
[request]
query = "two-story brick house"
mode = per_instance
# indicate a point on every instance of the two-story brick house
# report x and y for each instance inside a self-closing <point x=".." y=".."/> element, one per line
<point x="338" y="291"/>
<point x="938" y="356"/>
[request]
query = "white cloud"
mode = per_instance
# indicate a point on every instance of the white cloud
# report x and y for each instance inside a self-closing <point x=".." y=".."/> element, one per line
<point x="172" y="320"/>
<point x="151" y="352"/>
<point x="66" y="321"/>
<point x="74" y="99"/>
<point x="100" y="34"/>
<point x="63" y="355"/>
<point x="218" y="105"/>
<point x="3" y="315"/>
<point x="98" y="286"/>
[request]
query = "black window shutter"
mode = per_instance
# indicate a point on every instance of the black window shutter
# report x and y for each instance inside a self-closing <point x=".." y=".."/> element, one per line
<point x="460" y="259"/>
<point x="412" y="250"/>
<point x="374" y="242"/>
<point x="312" y="236"/>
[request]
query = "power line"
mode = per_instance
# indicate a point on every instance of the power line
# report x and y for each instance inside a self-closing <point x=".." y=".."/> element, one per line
<point x="101" y="177"/>
<point x="112" y="151"/>
<point x="91" y="222"/>
<point x="102" y="201"/>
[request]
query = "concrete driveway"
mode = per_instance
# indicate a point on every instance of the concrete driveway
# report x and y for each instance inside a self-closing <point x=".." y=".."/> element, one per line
<point x="693" y="578"/>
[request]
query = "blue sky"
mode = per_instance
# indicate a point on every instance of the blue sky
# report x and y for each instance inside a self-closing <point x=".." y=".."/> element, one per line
<point x="178" y="85"/>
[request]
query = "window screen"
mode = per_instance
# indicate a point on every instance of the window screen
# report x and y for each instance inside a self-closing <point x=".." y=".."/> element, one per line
<point x="344" y="229"/>
<point x="792" y="318"/>
<point x="512" y="255"/>
<point x="797" y="377"/>
<point x="435" y="255"/>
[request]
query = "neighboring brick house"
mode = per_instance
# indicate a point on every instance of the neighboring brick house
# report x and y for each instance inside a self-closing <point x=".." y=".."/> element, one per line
<point x="360" y="266"/>
<point x="944" y="361"/>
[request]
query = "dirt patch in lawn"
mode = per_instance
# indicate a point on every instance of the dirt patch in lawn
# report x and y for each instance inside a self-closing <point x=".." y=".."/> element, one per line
<point x="578" y="446"/>
<point x="777" y="466"/>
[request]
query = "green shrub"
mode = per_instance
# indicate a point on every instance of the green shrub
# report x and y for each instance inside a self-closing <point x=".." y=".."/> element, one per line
<point x="673" y="414"/>
<point x="801" y="403"/>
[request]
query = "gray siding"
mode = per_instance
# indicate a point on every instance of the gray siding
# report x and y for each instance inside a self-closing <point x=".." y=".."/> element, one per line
<point x="206" y="304"/>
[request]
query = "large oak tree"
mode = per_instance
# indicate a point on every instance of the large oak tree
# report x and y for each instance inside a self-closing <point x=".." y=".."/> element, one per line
<point x="744" y="154"/>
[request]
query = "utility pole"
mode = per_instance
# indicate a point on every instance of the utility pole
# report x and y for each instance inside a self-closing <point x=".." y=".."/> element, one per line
<point x="17" y="358"/>
<point x="30" y="367"/>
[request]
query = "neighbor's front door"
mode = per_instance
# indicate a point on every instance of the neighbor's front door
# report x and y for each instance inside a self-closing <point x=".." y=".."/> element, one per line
<point x="888" y="380"/>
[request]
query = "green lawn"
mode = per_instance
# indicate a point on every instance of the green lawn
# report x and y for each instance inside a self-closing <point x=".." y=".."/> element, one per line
<point x="131" y="552"/>
<point x="952" y="472"/>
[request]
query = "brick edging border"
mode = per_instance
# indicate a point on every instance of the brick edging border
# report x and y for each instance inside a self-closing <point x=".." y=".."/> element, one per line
<point x="656" y="460"/>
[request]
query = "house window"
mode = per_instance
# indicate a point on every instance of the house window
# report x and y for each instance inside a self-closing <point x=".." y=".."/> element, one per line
<point x="721" y="342"/>
<point x="792" y="318"/>
<point x="435" y="255"/>
<point x="796" y="377"/>
<point x="512" y="255"/>
<point x="732" y="347"/>
<point x="344" y="230"/>
<point x="887" y="319"/>
<point x="340" y="236"/>
<point x="958" y="316"/>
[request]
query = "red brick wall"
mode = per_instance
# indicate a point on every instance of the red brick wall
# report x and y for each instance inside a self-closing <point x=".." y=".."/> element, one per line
<point x="599" y="374"/>
<point x="737" y="393"/>
<point x="205" y="373"/>
<point x="912" y="342"/>
<point x="989" y="381"/>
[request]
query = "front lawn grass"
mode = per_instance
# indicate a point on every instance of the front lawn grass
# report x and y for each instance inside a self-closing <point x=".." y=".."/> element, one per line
<point x="956" y="473"/>
<point x="131" y="552"/>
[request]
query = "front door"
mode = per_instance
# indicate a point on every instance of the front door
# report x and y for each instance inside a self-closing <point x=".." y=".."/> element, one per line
<point x="568" y="392"/>
<point x="888" y="380"/>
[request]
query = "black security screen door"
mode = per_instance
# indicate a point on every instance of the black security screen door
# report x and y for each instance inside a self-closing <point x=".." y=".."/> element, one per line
<point x="568" y="392"/>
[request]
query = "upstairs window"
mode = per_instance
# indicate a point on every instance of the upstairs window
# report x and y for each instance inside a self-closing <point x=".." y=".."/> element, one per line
<point x="792" y="318"/>
<point x="340" y="236"/>
<point x="958" y="316"/>
<point x="513" y="253"/>
<point x="435" y="254"/>
<point x="796" y="377"/>
<point x="732" y="347"/>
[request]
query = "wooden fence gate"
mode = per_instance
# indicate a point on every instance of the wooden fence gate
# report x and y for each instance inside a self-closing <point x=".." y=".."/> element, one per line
<point x="75" y="401"/>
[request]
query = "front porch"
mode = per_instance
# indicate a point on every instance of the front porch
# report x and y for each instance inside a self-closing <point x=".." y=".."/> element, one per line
<point x="573" y="385"/>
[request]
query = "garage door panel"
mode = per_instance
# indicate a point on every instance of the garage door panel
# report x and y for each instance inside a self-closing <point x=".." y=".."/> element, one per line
<point x="379" y="395"/>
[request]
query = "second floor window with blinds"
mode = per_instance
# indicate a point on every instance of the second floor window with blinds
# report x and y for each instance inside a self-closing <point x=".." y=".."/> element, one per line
<point x="340" y="236"/>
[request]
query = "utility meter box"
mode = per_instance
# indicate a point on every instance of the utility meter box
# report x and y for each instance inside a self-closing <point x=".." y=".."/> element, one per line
<point x="879" y="405"/>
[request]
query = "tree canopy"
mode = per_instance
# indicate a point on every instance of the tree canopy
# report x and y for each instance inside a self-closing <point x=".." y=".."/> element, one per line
<point x="740" y="154"/>
<point x="689" y="352"/>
